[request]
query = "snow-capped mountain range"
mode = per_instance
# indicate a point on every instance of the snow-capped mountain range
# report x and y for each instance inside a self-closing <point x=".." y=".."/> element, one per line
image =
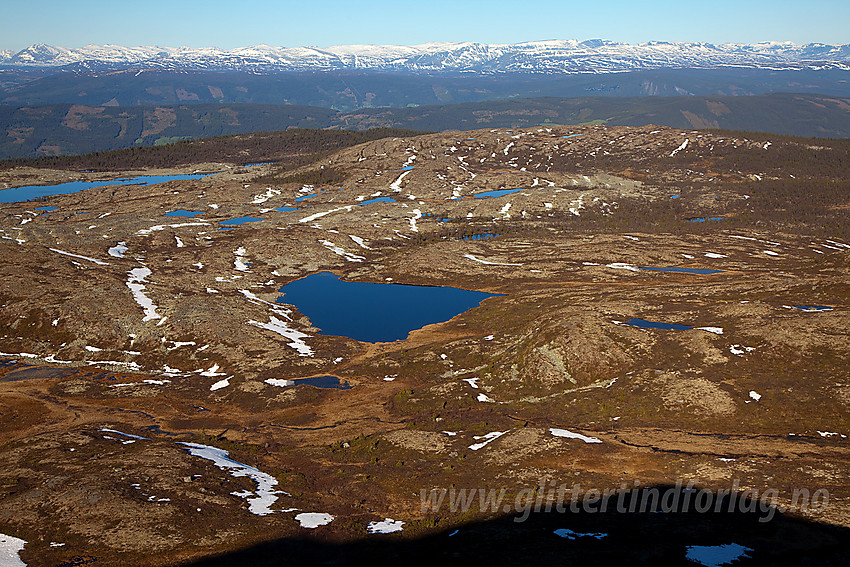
<point x="556" y="56"/>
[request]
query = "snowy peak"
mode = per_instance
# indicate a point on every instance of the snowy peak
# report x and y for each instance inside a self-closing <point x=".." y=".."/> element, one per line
<point x="549" y="56"/>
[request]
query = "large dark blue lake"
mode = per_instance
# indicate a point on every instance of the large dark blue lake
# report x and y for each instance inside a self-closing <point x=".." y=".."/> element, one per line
<point x="372" y="312"/>
<point x="30" y="192"/>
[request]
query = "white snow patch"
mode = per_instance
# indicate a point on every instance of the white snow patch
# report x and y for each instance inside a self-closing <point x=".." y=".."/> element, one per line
<point x="179" y="242"/>
<point x="485" y="398"/>
<point x="118" y="250"/>
<point x="503" y="212"/>
<point x="714" y="255"/>
<point x="570" y="435"/>
<point x="487" y="439"/>
<point x="387" y="526"/>
<point x="239" y="262"/>
<point x="263" y="197"/>
<point x="221" y="384"/>
<point x="755" y="395"/>
<point x="312" y="520"/>
<point x="489" y="337"/>
<point x="741" y="349"/>
<point x="471" y="381"/>
<point x="259" y="502"/>
<point x="10" y="547"/>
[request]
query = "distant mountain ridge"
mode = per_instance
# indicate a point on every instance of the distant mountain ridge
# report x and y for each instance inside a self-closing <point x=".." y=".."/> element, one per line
<point x="65" y="129"/>
<point x="547" y="57"/>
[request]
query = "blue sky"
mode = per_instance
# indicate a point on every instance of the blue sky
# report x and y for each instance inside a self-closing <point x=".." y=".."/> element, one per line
<point x="228" y="24"/>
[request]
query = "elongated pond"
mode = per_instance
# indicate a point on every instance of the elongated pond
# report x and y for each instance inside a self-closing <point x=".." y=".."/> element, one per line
<point x="30" y="192"/>
<point x="372" y="312"/>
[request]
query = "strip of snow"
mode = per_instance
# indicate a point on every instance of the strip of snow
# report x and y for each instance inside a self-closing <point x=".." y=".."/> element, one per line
<point x="387" y="526"/>
<point x="98" y="262"/>
<point x="280" y="327"/>
<point x="714" y="255"/>
<point x="396" y="185"/>
<point x="755" y="395"/>
<point x="130" y="365"/>
<point x="623" y="266"/>
<point x="130" y="435"/>
<point x="570" y="435"/>
<point x="279" y="383"/>
<point x="680" y="148"/>
<point x="220" y="384"/>
<point x="471" y="381"/>
<point x="487" y="262"/>
<point x="312" y="520"/>
<point x="360" y="242"/>
<point x="136" y="283"/>
<point x="158" y="227"/>
<point x="488" y="438"/>
<point x="10" y="547"/>
<point x="259" y="502"/>
<point x="311" y="218"/>
<point x="485" y="398"/>
<point x="715" y="330"/>
<point x="179" y="242"/>
<point x="341" y="252"/>
<point x="417" y="214"/>
<point x="212" y="372"/>
<point x="118" y="250"/>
